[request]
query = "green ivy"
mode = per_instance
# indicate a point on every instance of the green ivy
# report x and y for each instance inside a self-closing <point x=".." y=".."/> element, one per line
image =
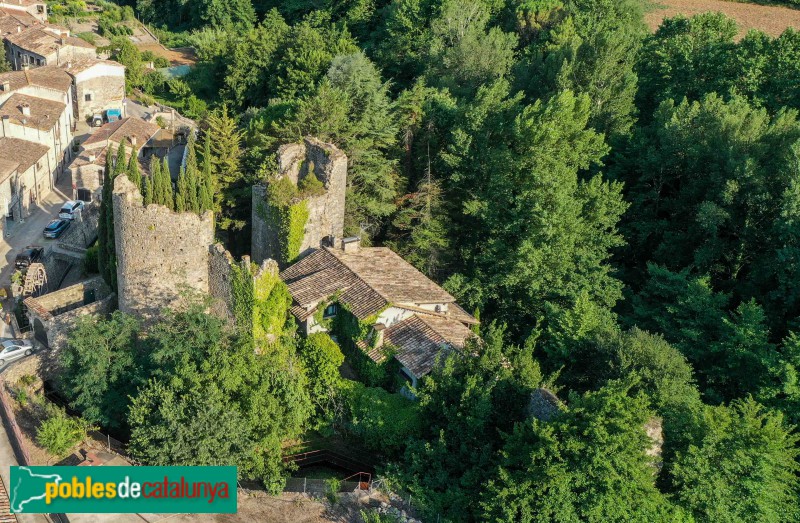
<point x="349" y="330"/>
<point x="288" y="207"/>
<point x="260" y="304"/>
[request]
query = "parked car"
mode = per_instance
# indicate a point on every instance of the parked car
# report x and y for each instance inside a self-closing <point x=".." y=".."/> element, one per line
<point x="97" y="120"/>
<point x="112" y="115"/>
<point x="11" y="350"/>
<point x="31" y="254"/>
<point x="69" y="209"/>
<point x="56" y="228"/>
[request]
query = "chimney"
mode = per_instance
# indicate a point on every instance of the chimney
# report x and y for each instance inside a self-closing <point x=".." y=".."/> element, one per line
<point x="92" y="157"/>
<point x="351" y="244"/>
<point x="19" y="28"/>
<point x="133" y="140"/>
<point x="378" y="340"/>
<point x="69" y="64"/>
<point x="26" y="108"/>
<point x="6" y="86"/>
<point x="5" y="125"/>
<point x="62" y="41"/>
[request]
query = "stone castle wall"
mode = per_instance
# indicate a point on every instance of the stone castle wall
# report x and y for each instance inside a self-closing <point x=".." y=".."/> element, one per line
<point x="161" y="254"/>
<point x="220" y="267"/>
<point x="326" y="212"/>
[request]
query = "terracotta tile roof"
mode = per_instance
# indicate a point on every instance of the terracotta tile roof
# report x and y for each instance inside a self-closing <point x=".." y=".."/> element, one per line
<point x="369" y="280"/>
<point x="422" y="339"/>
<point x="41" y="41"/>
<point x="43" y="113"/>
<point x="22" y="152"/>
<point x="125" y="128"/>
<point x="82" y="64"/>
<point x="7" y="168"/>
<point x="12" y="21"/>
<point x="83" y="158"/>
<point x="49" y="77"/>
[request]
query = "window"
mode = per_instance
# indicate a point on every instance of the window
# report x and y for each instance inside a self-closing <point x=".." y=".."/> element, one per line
<point x="87" y="97"/>
<point x="331" y="310"/>
<point x="38" y="165"/>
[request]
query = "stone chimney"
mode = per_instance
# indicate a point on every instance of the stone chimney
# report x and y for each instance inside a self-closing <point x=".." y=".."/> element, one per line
<point x="5" y="124"/>
<point x="26" y="108"/>
<point x="380" y="328"/>
<point x="19" y="28"/>
<point x="92" y="157"/>
<point x="133" y="140"/>
<point x="351" y="244"/>
<point x="6" y="86"/>
<point x="62" y="40"/>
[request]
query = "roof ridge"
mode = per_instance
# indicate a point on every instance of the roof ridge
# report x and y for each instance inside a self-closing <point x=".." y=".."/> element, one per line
<point x="330" y="251"/>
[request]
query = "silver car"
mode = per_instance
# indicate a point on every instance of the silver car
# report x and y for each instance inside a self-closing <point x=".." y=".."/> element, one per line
<point x="14" y="349"/>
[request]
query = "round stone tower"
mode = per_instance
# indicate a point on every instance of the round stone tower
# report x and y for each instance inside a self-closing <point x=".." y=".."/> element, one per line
<point x="162" y="255"/>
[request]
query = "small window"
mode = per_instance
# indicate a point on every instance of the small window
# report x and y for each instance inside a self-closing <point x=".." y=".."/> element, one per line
<point x="331" y="310"/>
<point x="87" y="97"/>
<point x="38" y="165"/>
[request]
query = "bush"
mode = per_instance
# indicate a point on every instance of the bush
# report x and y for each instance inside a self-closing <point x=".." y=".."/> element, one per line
<point x="90" y="263"/>
<point x="59" y="433"/>
<point x="382" y="420"/>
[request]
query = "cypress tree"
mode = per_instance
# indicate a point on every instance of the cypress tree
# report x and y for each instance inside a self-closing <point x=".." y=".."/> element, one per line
<point x="206" y="182"/>
<point x="192" y="194"/>
<point x="166" y="176"/>
<point x="155" y="180"/>
<point x="107" y="259"/>
<point x="182" y="194"/>
<point x="134" y="174"/>
<point x="147" y="191"/>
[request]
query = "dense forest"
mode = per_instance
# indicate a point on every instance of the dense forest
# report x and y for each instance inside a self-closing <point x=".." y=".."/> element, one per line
<point x="620" y="208"/>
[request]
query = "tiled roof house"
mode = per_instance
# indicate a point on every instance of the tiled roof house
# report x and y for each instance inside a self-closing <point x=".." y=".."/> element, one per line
<point x="414" y="317"/>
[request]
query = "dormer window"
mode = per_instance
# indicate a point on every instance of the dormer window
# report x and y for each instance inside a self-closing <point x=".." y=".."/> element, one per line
<point x="330" y="311"/>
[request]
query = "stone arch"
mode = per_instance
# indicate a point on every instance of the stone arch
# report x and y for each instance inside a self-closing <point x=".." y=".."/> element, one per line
<point x="39" y="332"/>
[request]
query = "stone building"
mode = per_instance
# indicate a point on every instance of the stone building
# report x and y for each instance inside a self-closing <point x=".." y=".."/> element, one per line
<point x="25" y="176"/>
<point x="15" y="21"/>
<point x="161" y="254"/>
<point x="86" y="170"/>
<point x="98" y="85"/>
<point x="52" y="315"/>
<point x="409" y="314"/>
<point x="45" y="44"/>
<point x="34" y="8"/>
<point x="325" y="212"/>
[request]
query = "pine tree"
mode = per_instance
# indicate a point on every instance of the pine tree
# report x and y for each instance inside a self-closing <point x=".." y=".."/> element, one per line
<point x="224" y="140"/>
<point x="120" y="165"/>
<point x="134" y="174"/>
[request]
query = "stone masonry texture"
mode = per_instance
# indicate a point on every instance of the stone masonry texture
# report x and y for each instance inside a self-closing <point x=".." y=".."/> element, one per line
<point x="162" y="255"/>
<point x="326" y="212"/>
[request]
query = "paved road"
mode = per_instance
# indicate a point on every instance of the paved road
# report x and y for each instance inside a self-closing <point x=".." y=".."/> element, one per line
<point x="30" y="233"/>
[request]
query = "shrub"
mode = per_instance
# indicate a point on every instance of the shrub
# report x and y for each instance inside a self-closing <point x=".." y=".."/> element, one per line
<point x="382" y="420"/>
<point x="59" y="433"/>
<point x="90" y="263"/>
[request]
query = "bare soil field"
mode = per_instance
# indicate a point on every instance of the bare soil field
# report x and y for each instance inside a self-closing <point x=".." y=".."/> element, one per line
<point x="773" y="20"/>
<point x="183" y="56"/>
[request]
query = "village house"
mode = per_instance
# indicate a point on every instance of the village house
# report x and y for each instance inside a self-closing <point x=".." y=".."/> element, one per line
<point x="87" y="168"/>
<point x="14" y="22"/>
<point x="33" y="8"/>
<point x="98" y="85"/>
<point x="25" y="176"/>
<point x="40" y="45"/>
<point x="412" y="318"/>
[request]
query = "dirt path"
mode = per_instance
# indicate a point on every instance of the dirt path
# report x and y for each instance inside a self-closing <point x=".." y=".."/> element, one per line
<point x="772" y="20"/>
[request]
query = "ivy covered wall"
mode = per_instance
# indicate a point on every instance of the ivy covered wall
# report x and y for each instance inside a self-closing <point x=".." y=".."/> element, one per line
<point x="260" y="302"/>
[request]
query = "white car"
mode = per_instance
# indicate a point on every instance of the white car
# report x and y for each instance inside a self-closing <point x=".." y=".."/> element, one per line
<point x="14" y="349"/>
<point x="69" y="209"/>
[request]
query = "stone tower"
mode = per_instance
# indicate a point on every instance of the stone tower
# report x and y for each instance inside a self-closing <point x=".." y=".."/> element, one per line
<point x="325" y="220"/>
<point x="161" y="254"/>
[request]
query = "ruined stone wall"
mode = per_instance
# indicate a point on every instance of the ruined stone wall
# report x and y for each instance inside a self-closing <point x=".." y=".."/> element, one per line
<point x="220" y="262"/>
<point x="161" y="254"/>
<point x="326" y="212"/>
